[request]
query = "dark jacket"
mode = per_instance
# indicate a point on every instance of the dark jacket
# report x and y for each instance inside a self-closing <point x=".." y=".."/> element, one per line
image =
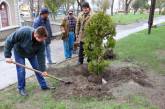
<point x="25" y="45"/>
<point x="46" y="23"/>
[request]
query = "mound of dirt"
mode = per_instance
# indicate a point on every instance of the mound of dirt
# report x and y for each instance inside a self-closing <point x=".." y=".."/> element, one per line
<point x="115" y="75"/>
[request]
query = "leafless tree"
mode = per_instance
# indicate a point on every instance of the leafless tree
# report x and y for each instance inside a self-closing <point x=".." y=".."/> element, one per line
<point x="127" y="4"/>
<point x="79" y="5"/>
<point x="31" y="8"/>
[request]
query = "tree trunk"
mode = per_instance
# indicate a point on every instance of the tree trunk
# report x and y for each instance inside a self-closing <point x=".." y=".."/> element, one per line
<point x="78" y="7"/>
<point x="67" y="6"/>
<point x="160" y="10"/>
<point x="112" y="7"/>
<point x="127" y="3"/>
<point x="134" y="12"/>
<point x="31" y="9"/>
<point x="126" y="8"/>
<point x="40" y="2"/>
<point x="151" y="15"/>
<point x="79" y="3"/>
<point x="73" y="5"/>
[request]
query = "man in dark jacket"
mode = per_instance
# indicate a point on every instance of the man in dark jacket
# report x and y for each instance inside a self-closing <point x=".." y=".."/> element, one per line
<point x="42" y="20"/>
<point x="27" y="43"/>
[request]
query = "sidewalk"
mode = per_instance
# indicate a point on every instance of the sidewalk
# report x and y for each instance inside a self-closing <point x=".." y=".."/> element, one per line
<point x="125" y="30"/>
<point x="8" y="72"/>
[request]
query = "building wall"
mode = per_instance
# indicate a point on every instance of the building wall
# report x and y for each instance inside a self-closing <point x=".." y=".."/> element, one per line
<point x="12" y="11"/>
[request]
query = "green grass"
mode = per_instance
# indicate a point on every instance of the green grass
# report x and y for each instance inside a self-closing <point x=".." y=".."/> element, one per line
<point x="37" y="99"/>
<point x="146" y="50"/>
<point x="123" y="19"/>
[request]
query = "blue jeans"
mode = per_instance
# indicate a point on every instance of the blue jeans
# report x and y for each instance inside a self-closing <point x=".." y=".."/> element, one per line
<point x="21" y="71"/>
<point x="68" y="45"/>
<point x="48" y="53"/>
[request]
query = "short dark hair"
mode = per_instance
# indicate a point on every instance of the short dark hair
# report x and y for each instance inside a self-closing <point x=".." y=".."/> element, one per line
<point x="41" y="31"/>
<point x="85" y="5"/>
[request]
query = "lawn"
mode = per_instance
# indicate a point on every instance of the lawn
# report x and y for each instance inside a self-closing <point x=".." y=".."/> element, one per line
<point x="145" y="50"/>
<point x="123" y="19"/>
<point x="9" y="99"/>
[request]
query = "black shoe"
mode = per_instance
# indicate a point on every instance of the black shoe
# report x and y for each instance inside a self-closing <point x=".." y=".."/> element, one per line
<point x="79" y="63"/>
<point x="23" y="92"/>
<point x="45" y="88"/>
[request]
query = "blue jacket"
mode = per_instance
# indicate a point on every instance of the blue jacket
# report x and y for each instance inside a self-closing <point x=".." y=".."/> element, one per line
<point x="25" y="45"/>
<point x="46" y="23"/>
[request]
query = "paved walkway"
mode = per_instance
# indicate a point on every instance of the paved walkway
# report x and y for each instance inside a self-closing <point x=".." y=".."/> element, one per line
<point x="8" y="72"/>
<point x="125" y="30"/>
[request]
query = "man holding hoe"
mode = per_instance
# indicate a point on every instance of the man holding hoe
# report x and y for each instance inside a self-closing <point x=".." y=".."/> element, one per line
<point x="28" y="43"/>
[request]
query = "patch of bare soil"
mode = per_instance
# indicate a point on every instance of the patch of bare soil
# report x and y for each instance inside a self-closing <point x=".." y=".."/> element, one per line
<point x="160" y="53"/>
<point x="157" y="94"/>
<point x="83" y="84"/>
<point x="123" y="79"/>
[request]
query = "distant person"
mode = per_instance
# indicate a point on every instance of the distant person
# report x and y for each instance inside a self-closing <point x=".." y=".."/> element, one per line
<point x="34" y="13"/>
<point x="43" y="20"/>
<point x="27" y="43"/>
<point x="82" y="19"/>
<point x="68" y="28"/>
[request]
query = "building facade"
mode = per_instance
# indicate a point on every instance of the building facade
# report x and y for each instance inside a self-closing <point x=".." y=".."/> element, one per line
<point x="9" y="15"/>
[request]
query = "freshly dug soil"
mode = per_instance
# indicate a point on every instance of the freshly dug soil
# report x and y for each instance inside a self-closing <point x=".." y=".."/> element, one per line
<point x="86" y="84"/>
<point x="123" y="79"/>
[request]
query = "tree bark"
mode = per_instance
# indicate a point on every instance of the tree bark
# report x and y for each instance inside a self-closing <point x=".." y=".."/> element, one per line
<point x="112" y="7"/>
<point x="126" y="8"/>
<point x="127" y="3"/>
<point x="79" y="5"/>
<point x="151" y="15"/>
<point x="31" y="8"/>
<point x="160" y="10"/>
<point x="39" y="3"/>
<point x="67" y="6"/>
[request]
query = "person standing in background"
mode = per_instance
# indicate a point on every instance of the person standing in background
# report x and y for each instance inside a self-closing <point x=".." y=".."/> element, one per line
<point x="82" y="19"/>
<point x="43" y="20"/>
<point x="68" y="29"/>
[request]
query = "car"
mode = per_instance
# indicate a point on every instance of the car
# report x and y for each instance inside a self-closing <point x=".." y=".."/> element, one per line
<point x="25" y="14"/>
